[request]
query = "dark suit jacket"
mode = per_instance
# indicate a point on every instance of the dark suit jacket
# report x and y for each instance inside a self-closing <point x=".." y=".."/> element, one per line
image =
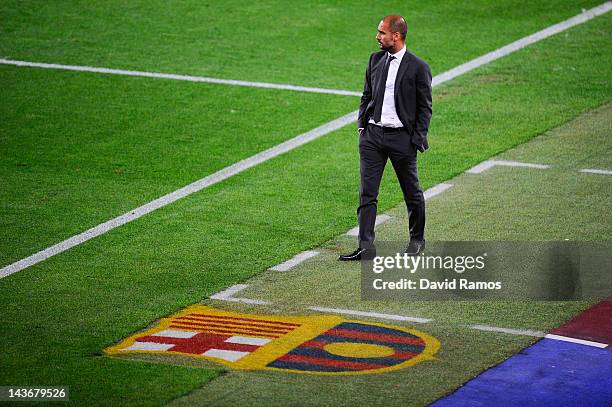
<point x="412" y="95"/>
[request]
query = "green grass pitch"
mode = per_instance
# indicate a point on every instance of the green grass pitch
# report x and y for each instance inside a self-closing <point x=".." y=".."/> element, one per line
<point x="79" y="148"/>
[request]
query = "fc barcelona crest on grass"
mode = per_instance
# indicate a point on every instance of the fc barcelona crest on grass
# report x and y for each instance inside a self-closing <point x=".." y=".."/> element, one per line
<point x="308" y="344"/>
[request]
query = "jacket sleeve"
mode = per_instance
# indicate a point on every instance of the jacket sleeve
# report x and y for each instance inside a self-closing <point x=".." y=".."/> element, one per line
<point x="366" y="97"/>
<point x="423" y="107"/>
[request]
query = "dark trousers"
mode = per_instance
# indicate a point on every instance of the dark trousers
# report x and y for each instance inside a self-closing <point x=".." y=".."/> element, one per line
<point x="376" y="145"/>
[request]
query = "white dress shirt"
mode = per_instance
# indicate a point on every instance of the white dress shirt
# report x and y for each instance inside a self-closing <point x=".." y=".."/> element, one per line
<point x="389" y="116"/>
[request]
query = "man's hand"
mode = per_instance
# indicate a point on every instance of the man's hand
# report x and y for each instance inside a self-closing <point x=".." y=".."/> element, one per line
<point x="360" y="131"/>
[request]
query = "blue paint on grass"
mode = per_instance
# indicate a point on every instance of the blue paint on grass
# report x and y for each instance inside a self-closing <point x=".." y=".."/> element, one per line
<point x="548" y="373"/>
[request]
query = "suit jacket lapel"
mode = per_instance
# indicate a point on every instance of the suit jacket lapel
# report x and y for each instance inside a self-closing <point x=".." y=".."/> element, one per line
<point x="379" y="68"/>
<point x="402" y="70"/>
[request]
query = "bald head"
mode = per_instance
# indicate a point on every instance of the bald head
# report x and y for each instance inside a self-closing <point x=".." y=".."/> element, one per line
<point x="397" y="24"/>
<point x="391" y="35"/>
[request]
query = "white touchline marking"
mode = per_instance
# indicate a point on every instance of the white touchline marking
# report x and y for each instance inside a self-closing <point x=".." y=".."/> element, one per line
<point x="393" y="317"/>
<point x="576" y="340"/>
<point x="297" y="259"/>
<point x="228" y="295"/>
<point x="524" y="332"/>
<point x="248" y="340"/>
<point x="246" y="301"/>
<point x="229" y="292"/>
<point x="176" y="77"/>
<point x="380" y="219"/>
<point x="281" y="149"/>
<point x="482" y="167"/>
<point x="370" y="314"/>
<point x="446" y="76"/>
<point x="487" y="165"/>
<point x="595" y="171"/>
<point x="523" y="42"/>
<point x="196" y="186"/>
<point x="436" y="190"/>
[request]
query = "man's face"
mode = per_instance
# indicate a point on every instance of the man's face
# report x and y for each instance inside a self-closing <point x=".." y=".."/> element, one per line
<point x="386" y="39"/>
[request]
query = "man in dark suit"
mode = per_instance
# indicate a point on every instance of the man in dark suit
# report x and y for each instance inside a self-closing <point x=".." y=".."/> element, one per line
<point x="394" y="117"/>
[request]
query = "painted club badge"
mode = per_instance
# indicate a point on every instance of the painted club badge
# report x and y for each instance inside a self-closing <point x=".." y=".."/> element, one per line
<point x="322" y="344"/>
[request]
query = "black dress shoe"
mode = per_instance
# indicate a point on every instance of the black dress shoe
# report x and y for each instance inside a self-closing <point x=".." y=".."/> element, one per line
<point x="415" y="247"/>
<point x="359" y="254"/>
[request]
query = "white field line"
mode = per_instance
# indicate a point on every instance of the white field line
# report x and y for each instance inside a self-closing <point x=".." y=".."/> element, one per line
<point x="487" y="165"/>
<point x="511" y="331"/>
<point x="380" y="219"/>
<point x="576" y="340"/>
<point x="482" y="167"/>
<point x="297" y="259"/>
<point x="229" y="292"/>
<point x="281" y="149"/>
<point x="247" y="301"/>
<point x="436" y="190"/>
<point x="523" y="42"/>
<point x="446" y="76"/>
<point x="178" y="194"/>
<point x="228" y="295"/>
<point x="370" y="314"/>
<point x="595" y="171"/>
<point x="176" y="77"/>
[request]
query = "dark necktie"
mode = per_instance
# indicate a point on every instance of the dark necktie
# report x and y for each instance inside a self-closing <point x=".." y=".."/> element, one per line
<point x="380" y="93"/>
